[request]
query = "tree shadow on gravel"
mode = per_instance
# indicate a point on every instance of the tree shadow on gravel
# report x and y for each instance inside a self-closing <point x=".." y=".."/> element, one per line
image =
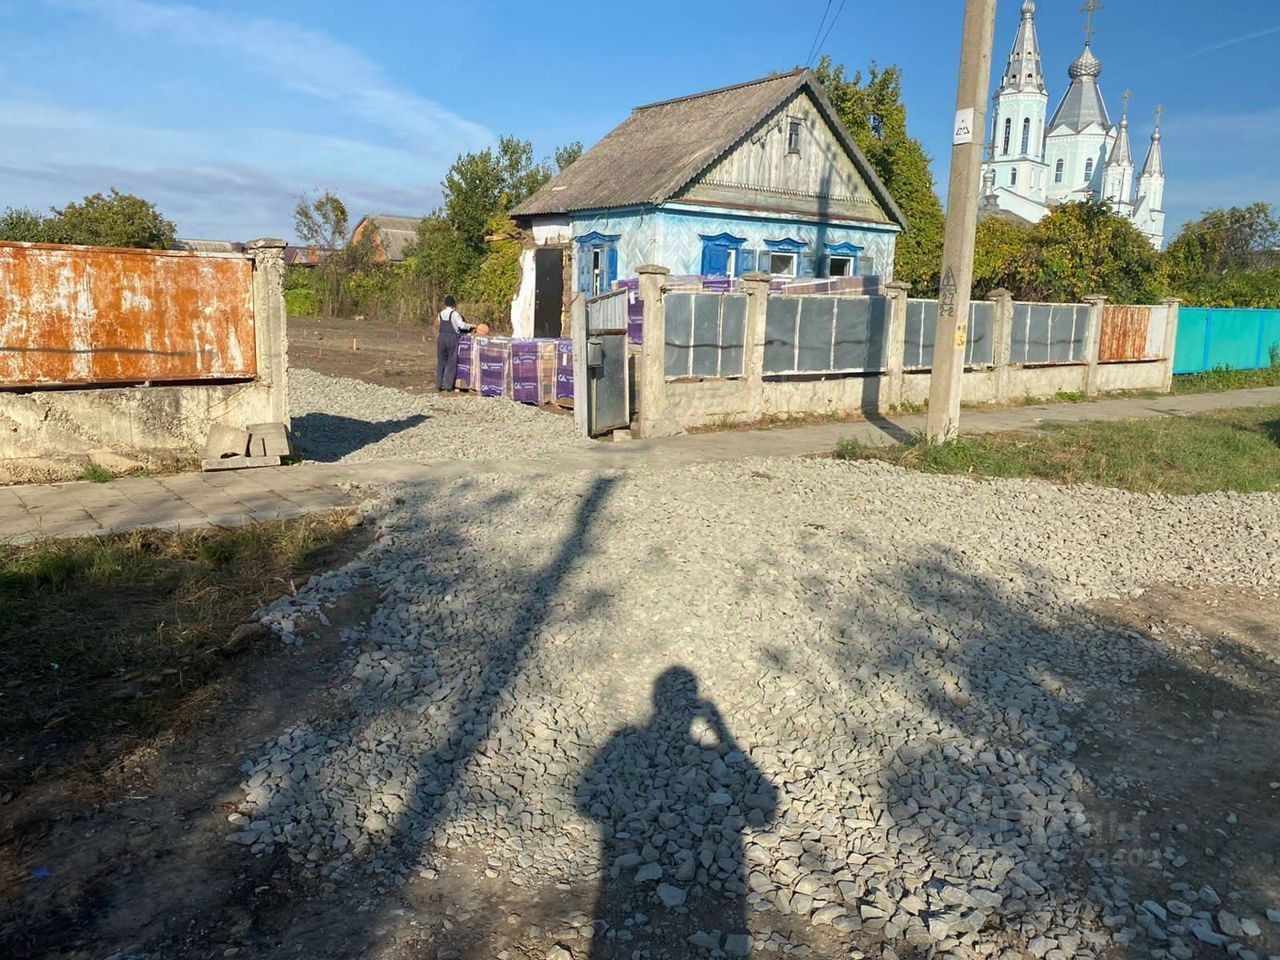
<point x="328" y="437"/>
<point x="155" y="876"/>
<point x="701" y="796"/>
<point x="1000" y="687"/>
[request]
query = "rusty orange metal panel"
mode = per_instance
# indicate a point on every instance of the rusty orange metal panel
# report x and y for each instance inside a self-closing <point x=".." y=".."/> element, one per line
<point x="1124" y="333"/>
<point x="83" y="316"/>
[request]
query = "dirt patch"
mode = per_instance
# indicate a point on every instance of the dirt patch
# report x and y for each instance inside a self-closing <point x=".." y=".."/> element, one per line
<point x="1187" y="765"/>
<point x="400" y="355"/>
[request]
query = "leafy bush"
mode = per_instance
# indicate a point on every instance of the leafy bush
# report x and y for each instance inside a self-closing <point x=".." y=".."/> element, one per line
<point x="302" y="302"/>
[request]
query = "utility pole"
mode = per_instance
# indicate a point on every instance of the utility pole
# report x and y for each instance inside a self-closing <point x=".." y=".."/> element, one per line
<point x="952" y="333"/>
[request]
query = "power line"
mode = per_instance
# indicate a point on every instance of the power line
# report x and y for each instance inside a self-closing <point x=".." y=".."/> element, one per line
<point x="839" y="10"/>
<point x="814" y="44"/>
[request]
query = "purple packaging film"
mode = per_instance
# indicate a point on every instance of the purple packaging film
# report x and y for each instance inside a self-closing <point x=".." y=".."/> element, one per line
<point x="464" y="363"/>
<point x="524" y="371"/>
<point x="494" y="365"/>
<point x="564" y="369"/>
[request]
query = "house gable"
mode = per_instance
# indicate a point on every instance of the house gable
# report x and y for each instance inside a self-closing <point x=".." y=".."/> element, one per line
<point x="778" y="168"/>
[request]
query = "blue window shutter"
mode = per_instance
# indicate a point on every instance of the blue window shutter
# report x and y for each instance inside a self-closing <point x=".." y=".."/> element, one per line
<point x="612" y="269"/>
<point x="584" y="269"/>
<point x="746" y="261"/>
<point x="715" y="260"/>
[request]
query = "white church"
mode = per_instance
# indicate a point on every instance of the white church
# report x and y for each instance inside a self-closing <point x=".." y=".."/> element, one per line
<point x="1033" y="166"/>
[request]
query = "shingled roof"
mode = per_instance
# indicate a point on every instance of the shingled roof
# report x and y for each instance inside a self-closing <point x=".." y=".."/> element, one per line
<point x="663" y="147"/>
<point x="395" y="234"/>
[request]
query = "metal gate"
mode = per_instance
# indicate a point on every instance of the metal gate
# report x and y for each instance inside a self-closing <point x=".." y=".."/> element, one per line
<point x="607" y="394"/>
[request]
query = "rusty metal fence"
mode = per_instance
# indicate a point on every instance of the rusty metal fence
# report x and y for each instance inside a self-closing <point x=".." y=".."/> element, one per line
<point x="95" y="316"/>
<point x="1132" y="333"/>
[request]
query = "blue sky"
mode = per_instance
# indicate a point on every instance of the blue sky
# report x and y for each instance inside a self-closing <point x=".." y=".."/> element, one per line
<point x="224" y="112"/>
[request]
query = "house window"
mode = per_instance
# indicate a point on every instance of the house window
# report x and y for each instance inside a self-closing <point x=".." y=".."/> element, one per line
<point x="1026" y="136"/>
<point x="599" y="270"/>
<point x="1088" y="170"/>
<point x="1013" y="178"/>
<point x="1008" y="134"/>
<point x="842" y="259"/>
<point x="793" y="136"/>
<point x="782" y="264"/>
<point x="720" y="255"/>
<point x="1058" y="171"/>
<point x="597" y="263"/>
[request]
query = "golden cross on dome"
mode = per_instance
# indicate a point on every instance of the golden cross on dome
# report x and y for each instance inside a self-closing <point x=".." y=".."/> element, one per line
<point x="1090" y="8"/>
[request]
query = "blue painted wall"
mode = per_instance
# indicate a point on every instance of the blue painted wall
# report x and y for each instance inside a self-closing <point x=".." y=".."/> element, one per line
<point x="1210" y="337"/>
<point x="672" y="237"/>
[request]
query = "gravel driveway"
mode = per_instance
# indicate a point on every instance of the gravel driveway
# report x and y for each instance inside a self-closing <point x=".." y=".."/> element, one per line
<point x="336" y="418"/>
<point x="762" y="706"/>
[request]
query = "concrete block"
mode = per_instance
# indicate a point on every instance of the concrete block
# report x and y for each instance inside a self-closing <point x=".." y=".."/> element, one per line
<point x="224" y="441"/>
<point x="238" y="463"/>
<point x="269" y="440"/>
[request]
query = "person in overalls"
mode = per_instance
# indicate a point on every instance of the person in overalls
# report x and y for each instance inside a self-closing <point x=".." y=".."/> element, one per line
<point x="452" y="326"/>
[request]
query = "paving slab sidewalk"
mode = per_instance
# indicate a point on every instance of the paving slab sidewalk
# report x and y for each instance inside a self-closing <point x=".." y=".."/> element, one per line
<point x="187" y="501"/>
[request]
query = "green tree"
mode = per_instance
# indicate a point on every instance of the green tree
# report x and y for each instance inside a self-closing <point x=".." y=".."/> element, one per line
<point x="1000" y="250"/>
<point x="321" y="222"/>
<point x="1084" y="248"/>
<point x="486" y="182"/>
<point x="566" y="155"/>
<point x="115" y="220"/>
<point x="23" y="225"/>
<point x="440" y="255"/>
<point x="873" y="111"/>
<point x="1228" y="258"/>
<point x="497" y="278"/>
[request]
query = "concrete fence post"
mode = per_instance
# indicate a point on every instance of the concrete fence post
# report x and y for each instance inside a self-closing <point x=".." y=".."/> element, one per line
<point x="269" y="323"/>
<point x="1002" y="341"/>
<point x="581" y="374"/>
<point x="1093" y="343"/>
<point x="652" y="371"/>
<point x="895" y="346"/>
<point x="1173" y="305"/>
<point x="756" y="287"/>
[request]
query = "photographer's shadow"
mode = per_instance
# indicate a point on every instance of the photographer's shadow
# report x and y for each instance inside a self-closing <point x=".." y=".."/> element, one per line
<point x="673" y="798"/>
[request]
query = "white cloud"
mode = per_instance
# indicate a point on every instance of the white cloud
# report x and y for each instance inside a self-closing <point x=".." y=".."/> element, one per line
<point x="229" y="181"/>
<point x="304" y="61"/>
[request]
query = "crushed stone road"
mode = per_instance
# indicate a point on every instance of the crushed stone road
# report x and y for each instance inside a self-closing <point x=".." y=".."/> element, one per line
<point x="339" y="419"/>
<point x="738" y="697"/>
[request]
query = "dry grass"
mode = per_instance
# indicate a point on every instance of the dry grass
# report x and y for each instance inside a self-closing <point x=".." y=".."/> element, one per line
<point x="121" y="636"/>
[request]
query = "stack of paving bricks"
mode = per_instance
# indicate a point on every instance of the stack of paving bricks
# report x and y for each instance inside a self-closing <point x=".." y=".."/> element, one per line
<point x="525" y="370"/>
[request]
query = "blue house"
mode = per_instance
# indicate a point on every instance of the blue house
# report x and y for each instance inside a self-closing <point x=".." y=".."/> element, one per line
<point x="761" y="176"/>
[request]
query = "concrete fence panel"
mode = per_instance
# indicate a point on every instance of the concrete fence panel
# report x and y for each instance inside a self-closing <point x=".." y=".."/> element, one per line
<point x="922" y="321"/>
<point x="86" y="316"/>
<point x="825" y="335"/>
<point x="1045" y="333"/>
<point x="705" y="335"/>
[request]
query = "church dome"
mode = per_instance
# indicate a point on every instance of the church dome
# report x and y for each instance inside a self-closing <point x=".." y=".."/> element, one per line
<point x="1087" y="65"/>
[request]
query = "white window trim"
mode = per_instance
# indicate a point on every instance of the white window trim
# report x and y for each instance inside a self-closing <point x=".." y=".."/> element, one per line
<point x="783" y="253"/>
<point x="848" y="263"/>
